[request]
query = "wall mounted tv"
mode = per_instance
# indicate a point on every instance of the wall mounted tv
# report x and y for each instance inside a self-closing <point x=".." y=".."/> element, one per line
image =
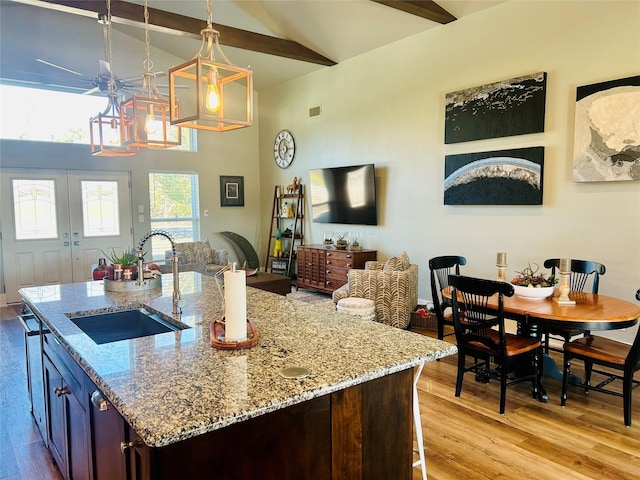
<point x="344" y="195"/>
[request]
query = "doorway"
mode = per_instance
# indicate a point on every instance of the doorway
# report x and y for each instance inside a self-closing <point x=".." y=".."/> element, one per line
<point x="56" y="223"/>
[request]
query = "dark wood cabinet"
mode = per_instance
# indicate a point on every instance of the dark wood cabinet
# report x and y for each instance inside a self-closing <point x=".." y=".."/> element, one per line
<point x="108" y="437"/>
<point x="325" y="269"/>
<point x="363" y="431"/>
<point x="65" y="400"/>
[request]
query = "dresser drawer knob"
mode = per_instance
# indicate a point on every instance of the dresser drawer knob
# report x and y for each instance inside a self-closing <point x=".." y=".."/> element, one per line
<point x="349" y="265"/>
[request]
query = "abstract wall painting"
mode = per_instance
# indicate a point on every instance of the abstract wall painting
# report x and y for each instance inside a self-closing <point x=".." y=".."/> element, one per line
<point x="501" y="109"/>
<point x="504" y="177"/>
<point x="606" y="145"/>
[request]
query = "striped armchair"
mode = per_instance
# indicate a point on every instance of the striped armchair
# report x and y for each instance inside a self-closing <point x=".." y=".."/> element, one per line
<point x="392" y="285"/>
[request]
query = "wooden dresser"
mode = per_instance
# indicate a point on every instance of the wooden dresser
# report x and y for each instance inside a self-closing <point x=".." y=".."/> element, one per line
<point x="325" y="269"/>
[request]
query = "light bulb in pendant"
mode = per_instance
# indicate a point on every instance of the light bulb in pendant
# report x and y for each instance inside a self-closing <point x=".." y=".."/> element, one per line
<point x="150" y="123"/>
<point x="212" y="101"/>
<point x="113" y="133"/>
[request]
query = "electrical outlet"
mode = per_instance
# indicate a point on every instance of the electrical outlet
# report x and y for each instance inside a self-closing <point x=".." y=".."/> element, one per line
<point x="206" y="213"/>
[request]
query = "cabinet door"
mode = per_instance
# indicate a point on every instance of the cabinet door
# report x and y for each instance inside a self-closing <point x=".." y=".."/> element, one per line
<point x="66" y="430"/>
<point x="56" y="437"/>
<point x="107" y="437"/>
<point x="78" y="453"/>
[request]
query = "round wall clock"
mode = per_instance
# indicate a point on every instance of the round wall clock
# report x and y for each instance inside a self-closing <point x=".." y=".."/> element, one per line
<point x="284" y="148"/>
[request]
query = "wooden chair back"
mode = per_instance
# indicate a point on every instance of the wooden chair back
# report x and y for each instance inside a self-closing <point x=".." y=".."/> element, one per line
<point x="471" y="295"/>
<point x="439" y="270"/>
<point x="581" y="271"/>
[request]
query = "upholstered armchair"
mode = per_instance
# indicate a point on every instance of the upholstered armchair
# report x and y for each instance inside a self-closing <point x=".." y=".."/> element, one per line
<point x="392" y="285"/>
<point x="197" y="257"/>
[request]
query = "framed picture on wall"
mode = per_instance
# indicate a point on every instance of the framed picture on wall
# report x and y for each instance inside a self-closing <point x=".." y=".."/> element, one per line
<point x="231" y="191"/>
<point x="515" y="106"/>
<point x="503" y="177"/>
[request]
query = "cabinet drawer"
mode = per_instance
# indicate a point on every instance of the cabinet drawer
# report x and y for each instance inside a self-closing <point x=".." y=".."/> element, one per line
<point x="337" y="273"/>
<point x="68" y="367"/>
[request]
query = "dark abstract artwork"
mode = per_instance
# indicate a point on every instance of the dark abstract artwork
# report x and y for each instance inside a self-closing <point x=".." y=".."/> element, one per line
<point x="606" y="145"/>
<point x="502" y="109"/>
<point x="504" y="177"/>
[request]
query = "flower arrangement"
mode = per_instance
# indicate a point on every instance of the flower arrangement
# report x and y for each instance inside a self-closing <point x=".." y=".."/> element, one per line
<point x="529" y="277"/>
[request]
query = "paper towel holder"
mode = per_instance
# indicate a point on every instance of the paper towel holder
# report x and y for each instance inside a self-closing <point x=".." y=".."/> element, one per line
<point x="218" y="331"/>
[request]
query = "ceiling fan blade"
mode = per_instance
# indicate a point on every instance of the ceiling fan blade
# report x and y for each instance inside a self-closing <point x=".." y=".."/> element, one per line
<point x="91" y="91"/>
<point x="58" y="66"/>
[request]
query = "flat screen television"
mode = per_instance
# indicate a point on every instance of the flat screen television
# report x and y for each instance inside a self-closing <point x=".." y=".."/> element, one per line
<point x="344" y="195"/>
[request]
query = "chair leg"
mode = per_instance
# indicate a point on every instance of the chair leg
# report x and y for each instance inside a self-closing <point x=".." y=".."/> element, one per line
<point x="440" y="330"/>
<point x="537" y="372"/>
<point x="417" y="421"/>
<point x="588" y="368"/>
<point x="565" y="378"/>
<point x="627" y="389"/>
<point x="461" y="362"/>
<point x="503" y="387"/>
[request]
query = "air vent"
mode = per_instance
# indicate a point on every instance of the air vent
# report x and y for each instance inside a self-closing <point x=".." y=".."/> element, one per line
<point x="315" y="111"/>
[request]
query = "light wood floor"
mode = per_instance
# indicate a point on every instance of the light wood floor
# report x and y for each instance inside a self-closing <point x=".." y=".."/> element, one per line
<point x="465" y="438"/>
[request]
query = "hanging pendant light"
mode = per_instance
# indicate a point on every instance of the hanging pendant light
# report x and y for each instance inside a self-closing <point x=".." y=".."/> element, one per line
<point x="213" y="95"/>
<point x="106" y="130"/>
<point x="148" y="110"/>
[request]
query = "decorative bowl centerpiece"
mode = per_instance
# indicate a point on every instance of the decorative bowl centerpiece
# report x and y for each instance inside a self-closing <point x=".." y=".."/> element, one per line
<point x="531" y="285"/>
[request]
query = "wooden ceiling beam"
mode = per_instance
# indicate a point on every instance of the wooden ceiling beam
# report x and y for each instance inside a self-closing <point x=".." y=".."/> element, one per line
<point x="422" y="8"/>
<point x="168" y="22"/>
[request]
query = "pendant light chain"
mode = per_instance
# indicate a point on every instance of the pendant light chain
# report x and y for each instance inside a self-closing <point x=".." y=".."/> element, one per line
<point x="147" y="64"/>
<point x="111" y="82"/>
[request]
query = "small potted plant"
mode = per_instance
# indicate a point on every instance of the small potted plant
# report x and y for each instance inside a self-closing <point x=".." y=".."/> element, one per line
<point x="128" y="260"/>
<point x="355" y="246"/>
<point x="341" y="242"/>
<point x="532" y="285"/>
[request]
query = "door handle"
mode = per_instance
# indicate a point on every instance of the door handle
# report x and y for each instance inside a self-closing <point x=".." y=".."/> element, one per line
<point x="66" y="244"/>
<point x="76" y="243"/>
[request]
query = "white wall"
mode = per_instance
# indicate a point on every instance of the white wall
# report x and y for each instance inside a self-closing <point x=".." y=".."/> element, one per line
<point x="387" y="107"/>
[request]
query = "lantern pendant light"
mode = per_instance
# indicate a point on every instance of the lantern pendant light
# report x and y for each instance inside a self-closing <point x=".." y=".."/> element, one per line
<point x="106" y="128"/>
<point x="148" y="110"/>
<point x="211" y="95"/>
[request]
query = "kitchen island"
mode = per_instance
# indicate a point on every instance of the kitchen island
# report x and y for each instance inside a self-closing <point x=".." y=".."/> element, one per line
<point x="190" y="409"/>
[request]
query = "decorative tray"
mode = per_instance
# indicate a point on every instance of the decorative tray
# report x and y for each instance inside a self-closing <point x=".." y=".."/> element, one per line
<point x="218" y="333"/>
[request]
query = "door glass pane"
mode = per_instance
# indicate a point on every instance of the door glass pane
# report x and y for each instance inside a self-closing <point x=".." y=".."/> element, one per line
<point x="34" y="204"/>
<point x="100" y="208"/>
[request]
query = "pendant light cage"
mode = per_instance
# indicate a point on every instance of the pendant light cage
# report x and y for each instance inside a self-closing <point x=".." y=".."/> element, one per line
<point x="208" y="94"/>
<point x="106" y="129"/>
<point x="148" y="110"/>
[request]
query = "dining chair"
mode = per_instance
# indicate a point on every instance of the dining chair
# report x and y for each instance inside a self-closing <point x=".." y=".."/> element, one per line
<point x="582" y="271"/>
<point x="439" y="270"/>
<point x="611" y="354"/>
<point x="482" y="336"/>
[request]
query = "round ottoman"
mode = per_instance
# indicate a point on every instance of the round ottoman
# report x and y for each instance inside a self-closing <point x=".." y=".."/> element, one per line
<point x="360" y="307"/>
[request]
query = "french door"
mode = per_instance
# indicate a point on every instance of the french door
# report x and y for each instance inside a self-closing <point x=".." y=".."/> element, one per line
<point x="57" y="222"/>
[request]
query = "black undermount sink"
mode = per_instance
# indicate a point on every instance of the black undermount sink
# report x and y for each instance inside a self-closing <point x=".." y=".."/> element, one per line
<point x="123" y="325"/>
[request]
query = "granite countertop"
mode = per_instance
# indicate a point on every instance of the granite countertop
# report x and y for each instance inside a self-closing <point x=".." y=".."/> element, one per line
<point x="173" y="386"/>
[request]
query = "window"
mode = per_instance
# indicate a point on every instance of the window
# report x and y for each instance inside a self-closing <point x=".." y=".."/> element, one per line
<point x="35" y="209"/>
<point x="24" y="116"/>
<point x="173" y="197"/>
<point x="100" y="208"/>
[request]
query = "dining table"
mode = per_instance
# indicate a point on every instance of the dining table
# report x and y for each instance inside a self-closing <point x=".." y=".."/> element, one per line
<point x="591" y="312"/>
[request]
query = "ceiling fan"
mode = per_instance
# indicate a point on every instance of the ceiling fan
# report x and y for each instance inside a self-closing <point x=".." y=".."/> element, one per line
<point x="104" y="83"/>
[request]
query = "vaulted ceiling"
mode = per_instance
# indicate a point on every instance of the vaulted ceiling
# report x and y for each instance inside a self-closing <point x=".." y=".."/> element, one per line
<point x="278" y="39"/>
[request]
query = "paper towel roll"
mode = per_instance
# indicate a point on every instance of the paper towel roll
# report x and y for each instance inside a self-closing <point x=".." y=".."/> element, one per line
<point x="235" y="306"/>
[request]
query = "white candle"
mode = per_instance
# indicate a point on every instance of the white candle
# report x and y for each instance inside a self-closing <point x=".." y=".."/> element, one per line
<point x="565" y="264"/>
<point x="502" y="259"/>
<point x="235" y="305"/>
